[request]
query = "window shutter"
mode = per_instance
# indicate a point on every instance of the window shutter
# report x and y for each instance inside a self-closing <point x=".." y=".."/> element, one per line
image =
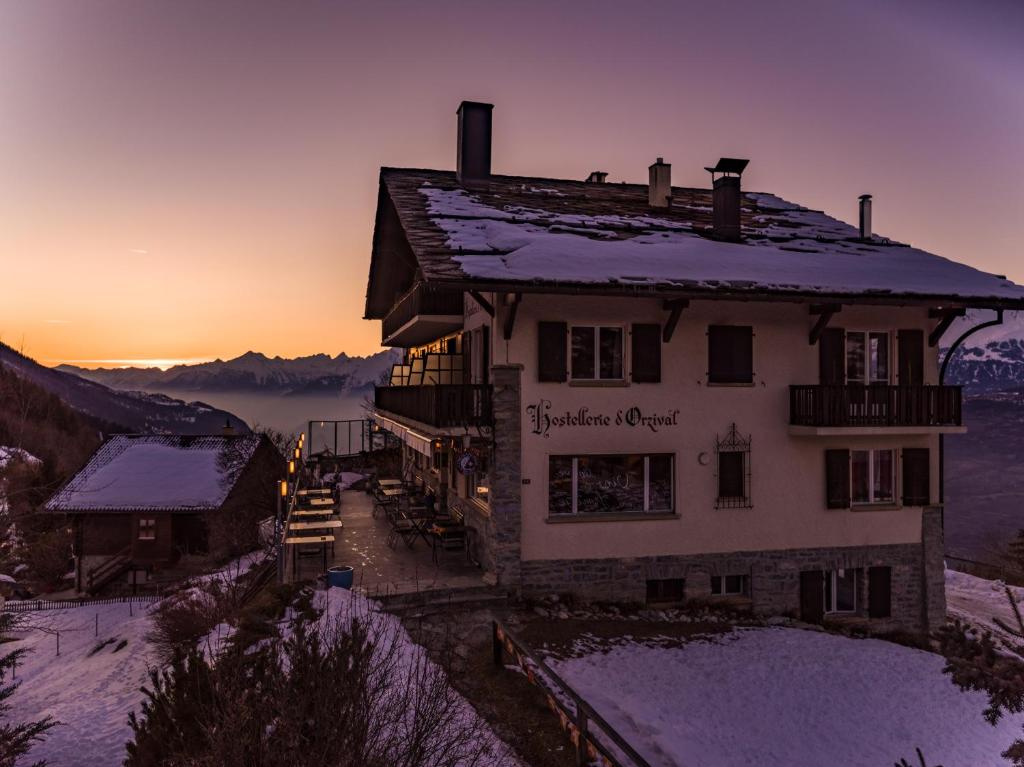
<point x="646" y="344"/>
<point x="916" y="476"/>
<point x="467" y="358"/>
<point x="879" y="592"/>
<point x="831" y="355"/>
<point x="730" y="354"/>
<point x="911" y="357"/>
<point x="551" y="351"/>
<point x="812" y="596"/>
<point x="485" y="355"/>
<point x="837" y="479"/>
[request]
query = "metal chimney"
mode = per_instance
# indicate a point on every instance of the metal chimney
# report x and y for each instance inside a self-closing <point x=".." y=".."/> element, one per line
<point x="865" y="216"/>
<point x="659" y="190"/>
<point x="725" y="198"/>
<point x="473" y="162"/>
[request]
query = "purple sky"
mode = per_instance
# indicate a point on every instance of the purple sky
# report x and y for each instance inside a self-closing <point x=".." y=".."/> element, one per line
<point x="188" y="179"/>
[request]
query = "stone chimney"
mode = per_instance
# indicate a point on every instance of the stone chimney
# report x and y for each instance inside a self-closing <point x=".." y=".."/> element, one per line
<point x="473" y="162"/>
<point x="865" y="216"/>
<point x="726" y="198"/>
<point x="659" y="190"/>
<point x="596" y="177"/>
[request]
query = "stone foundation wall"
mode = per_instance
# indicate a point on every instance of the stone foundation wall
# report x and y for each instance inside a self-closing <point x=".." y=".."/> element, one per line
<point x="774" y="578"/>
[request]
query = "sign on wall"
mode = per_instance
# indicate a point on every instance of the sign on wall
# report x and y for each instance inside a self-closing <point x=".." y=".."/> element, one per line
<point x="543" y="418"/>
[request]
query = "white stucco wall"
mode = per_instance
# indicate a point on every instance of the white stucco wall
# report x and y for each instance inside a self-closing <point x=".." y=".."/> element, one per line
<point x="788" y="472"/>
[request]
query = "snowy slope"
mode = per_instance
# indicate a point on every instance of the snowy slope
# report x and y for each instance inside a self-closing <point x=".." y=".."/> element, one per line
<point x="90" y="695"/>
<point x="786" y="697"/>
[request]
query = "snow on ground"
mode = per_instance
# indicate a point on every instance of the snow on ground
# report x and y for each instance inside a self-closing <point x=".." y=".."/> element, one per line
<point x="340" y="606"/>
<point x="979" y="601"/>
<point x="8" y="454"/>
<point x="90" y="695"/>
<point x="343" y="480"/>
<point x="788" y="697"/>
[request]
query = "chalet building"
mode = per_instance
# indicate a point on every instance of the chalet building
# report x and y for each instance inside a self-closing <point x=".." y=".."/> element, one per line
<point x="146" y="506"/>
<point x="655" y="393"/>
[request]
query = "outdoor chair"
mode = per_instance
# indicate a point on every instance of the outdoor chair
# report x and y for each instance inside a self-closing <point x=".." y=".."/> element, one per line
<point x="400" y="529"/>
<point x="450" y="537"/>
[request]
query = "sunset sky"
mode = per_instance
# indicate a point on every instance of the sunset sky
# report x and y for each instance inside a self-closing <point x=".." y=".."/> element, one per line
<point x="190" y="179"/>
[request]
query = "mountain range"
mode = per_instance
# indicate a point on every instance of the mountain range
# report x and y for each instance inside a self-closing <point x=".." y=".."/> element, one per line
<point x="121" y="410"/>
<point x="988" y="361"/>
<point x="253" y="372"/>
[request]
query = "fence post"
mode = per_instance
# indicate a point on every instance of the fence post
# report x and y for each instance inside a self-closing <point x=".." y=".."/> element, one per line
<point x="97" y="624"/>
<point x="58" y="644"/>
<point x="496" y="645"/>
<point x="581" y="735"/>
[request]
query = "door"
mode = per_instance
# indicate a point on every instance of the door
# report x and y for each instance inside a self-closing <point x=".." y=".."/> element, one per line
<point x="812" y="596"/>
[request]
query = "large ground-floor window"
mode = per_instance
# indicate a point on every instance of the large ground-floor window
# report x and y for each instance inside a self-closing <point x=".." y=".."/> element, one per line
<point x="588" y="484"/>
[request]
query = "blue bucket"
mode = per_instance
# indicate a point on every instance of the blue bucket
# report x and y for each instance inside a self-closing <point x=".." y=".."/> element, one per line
<point x="340" y="577"/>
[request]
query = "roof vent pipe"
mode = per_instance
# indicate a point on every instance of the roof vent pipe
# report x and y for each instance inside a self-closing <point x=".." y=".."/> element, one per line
<point x="596" y="177"/>
<point x="473" y="162"/>
<point x="865" y="216"/>
<point x="726" y="199"/>
<point x="659" y="191"/>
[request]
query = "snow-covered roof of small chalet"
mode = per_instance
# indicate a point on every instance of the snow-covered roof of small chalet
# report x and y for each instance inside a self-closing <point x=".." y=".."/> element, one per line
<point x="517" y="232"/>
<point x="157" y="473"/>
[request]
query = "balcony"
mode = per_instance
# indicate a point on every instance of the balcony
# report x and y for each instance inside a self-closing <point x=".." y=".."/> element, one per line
<point x="441" y="405"/>
<point x="848" y="409"/>
<point x="422" y="315"/>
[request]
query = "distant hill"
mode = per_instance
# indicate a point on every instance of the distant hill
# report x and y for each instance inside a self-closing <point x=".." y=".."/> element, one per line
<point x="125" y="410"/>
<point x="253" y="372"/>
<point x="991" y="360"/>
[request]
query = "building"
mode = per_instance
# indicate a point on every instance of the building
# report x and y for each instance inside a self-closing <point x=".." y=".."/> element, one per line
<point x="145" y="506"/>
<point x="653" y="393"/>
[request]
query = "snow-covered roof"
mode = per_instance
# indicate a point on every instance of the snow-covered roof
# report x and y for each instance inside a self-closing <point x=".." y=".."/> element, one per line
<point x="544" y="232"/>
<point x="157" y="473"/>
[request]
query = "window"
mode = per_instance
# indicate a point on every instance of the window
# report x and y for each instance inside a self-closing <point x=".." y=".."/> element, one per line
<point x="733" y="471"/>
<point x="147" y="529"/>
<point x="872" y="476"/>
<point x="730" y="354"/>
<point x="728" y="585"/>
<point x="665" y="590"/>
<point x="609" y="484"/>
<point x="596" y="353"/>
<point x="867" y="357"/>
<point x="841" y="591"/>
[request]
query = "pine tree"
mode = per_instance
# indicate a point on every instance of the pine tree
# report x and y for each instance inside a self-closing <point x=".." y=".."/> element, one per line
<point x="15" y="739"/>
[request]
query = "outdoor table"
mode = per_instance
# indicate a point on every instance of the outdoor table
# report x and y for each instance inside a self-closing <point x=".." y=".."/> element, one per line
<point x="312" y="512"/>
<point x="389" y="482"/>
<point x="318" y="502"/>
<point x="334" y="524"/>
<point x="314" y="491"/>
<point x="421" y="526"/>
<point x="392" y="492"/>
<point x="300" y="540"/>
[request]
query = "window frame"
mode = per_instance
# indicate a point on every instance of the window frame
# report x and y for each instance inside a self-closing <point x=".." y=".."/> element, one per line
<point x="868" y="379"/>
<point x="597" y="328"/>
<point x="575" y="513"/>
<point x="830" y="592"/>
<point x="734" y="443"/>
<point x="147" y="525"/>
<point x="723" y="580"/>
<point x="894" y="490"/>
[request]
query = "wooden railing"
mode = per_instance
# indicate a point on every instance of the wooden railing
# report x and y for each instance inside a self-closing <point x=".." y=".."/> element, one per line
<point x="595" y="741"/>
<point x="438" y="404"/>
<point x="421" y="299"/>
<point x="875" y="405"/>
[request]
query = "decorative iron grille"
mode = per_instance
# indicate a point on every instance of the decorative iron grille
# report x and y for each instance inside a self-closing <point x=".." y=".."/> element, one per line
<point x="732" y="455"/>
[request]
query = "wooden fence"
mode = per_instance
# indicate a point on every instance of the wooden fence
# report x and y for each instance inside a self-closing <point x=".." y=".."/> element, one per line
<point x="587" y="729"/>
<point x="37" y="605"/>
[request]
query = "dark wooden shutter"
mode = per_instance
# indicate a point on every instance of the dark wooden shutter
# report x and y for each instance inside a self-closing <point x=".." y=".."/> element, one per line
<point x="910" y="345"/>
<point x="916" y="476"/>
<point x="485" y="355"/>
<point x="879" y="592"/>
<point x="646" y="346"/>
<point x="812" y="596"/>
<point x="837" y="479"/>
<point x="730" y="354"/>
<point x="551" y="351"/>
<point x="831" y="356"/>
<point x="467" y="358"/>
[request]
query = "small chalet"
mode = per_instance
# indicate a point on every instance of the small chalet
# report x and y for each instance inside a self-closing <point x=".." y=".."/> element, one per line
<point x="147" y="504"/>
<point x="662" y="393"/>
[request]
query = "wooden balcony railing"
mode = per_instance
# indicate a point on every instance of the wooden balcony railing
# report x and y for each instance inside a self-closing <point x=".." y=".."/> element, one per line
<point x="421" y="299"/>
<point x="875" y="405"/>
<point x="440" y="405"/>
